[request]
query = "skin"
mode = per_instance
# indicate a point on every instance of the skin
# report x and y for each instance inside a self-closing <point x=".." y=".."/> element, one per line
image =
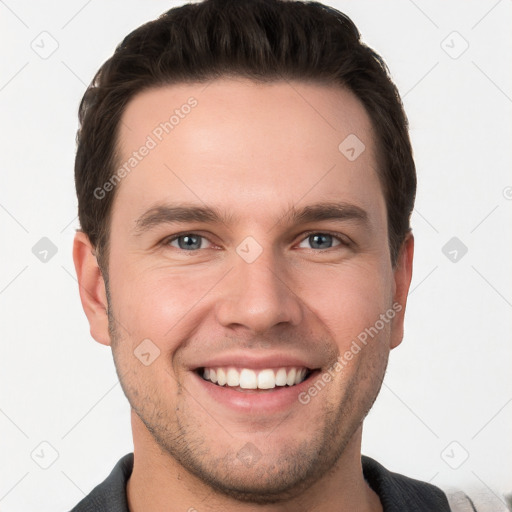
<point x="255" y="151"/>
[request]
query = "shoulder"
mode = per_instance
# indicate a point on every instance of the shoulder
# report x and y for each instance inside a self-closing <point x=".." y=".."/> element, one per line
<point x="398" y="492"/>
<point x="110" y="495"/>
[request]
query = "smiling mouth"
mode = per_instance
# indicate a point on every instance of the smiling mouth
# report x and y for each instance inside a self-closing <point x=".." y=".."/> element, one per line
<point x="249" y="380"/>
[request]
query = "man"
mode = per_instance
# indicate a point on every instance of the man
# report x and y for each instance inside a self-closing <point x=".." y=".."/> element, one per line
<point x="245" y="183"/>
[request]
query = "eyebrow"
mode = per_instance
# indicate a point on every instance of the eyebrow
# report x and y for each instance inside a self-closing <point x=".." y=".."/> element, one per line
<point x="169" y="214"/>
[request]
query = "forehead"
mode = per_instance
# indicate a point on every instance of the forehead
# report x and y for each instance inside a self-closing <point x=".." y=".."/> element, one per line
<point x="240" y="144"/>
<point x="243" y="107"/>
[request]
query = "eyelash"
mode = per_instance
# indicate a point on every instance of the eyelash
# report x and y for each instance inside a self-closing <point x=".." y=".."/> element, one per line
<point x="343" y="240"/>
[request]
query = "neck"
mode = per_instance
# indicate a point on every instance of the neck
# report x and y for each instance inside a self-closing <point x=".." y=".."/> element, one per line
<point x="158" y="482"/>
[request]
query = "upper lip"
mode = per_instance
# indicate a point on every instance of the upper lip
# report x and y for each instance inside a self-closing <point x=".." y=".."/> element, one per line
<point x="253" y="361"/>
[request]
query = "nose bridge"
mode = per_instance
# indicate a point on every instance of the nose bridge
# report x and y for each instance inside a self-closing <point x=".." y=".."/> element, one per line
<point x="256" y="295"/>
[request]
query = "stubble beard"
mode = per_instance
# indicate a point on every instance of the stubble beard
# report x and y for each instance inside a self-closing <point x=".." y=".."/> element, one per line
<point x="284" y="477"/>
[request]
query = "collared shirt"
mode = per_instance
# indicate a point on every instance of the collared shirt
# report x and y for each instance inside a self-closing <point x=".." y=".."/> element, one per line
<point x="397" y="493"/>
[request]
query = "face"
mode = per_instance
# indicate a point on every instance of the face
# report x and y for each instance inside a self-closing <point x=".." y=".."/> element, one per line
<point x="248" y="246"/>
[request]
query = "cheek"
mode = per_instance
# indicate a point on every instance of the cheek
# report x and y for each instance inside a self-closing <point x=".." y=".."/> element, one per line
<point x="159" y="303"/>
<point x="347" y="299"/>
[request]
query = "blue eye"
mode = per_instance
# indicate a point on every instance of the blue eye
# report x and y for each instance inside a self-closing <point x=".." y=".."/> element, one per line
<point x="321" y="241"/>
<point x="188" y="242"/>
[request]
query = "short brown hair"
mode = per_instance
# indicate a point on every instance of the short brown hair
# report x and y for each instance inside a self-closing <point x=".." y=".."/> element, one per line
<point x="265" y="41"/>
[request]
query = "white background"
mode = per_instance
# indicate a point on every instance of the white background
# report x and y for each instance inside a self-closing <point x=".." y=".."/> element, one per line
<point x="449" y="380"/>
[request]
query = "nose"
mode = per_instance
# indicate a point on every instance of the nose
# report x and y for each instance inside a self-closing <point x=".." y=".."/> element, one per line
<point x="258" y="296"/>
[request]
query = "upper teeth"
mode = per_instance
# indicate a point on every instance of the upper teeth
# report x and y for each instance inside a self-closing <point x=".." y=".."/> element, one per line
<point x="255" y="379"/>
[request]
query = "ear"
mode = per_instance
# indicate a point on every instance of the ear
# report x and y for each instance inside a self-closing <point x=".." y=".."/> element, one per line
<point x="91" y="287"/>
<point x="402" y="276"/>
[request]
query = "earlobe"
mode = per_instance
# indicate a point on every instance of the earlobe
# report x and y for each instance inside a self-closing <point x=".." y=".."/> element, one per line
<point x="91" y="287"/>
<point x="402" y="277"/>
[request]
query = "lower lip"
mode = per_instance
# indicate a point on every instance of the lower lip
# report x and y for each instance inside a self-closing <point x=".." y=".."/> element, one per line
<point x="253" y="401"/>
